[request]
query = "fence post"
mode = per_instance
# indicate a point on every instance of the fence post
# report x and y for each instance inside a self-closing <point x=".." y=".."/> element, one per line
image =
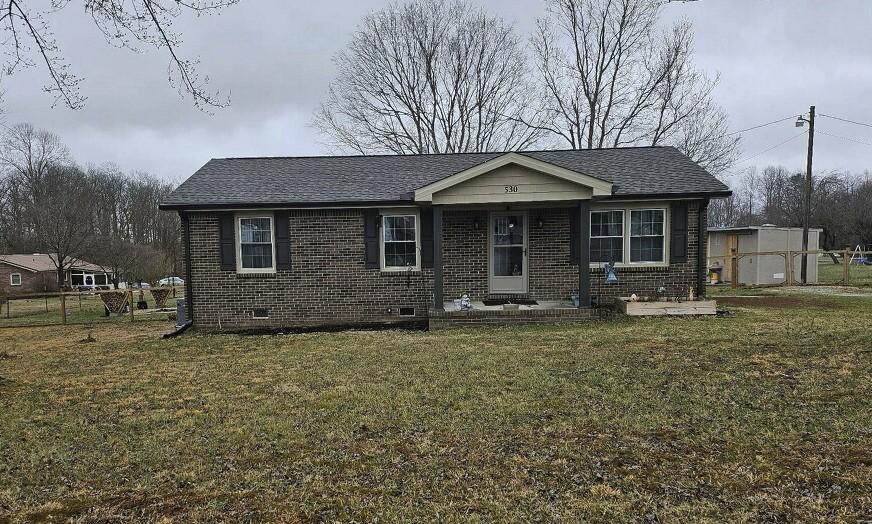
<point x="734" y="268"/>
<point x="846" y="264"/>
<point x="63" y="308"/>
<point x="130" y="302"/>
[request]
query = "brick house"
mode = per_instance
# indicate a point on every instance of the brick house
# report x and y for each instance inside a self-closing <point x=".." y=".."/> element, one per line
<point x="315" y="241"/>
<point x="36" y="273"/>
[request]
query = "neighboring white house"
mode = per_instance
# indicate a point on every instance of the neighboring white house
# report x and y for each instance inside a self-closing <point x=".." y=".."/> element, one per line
<point x="761" y="269"/>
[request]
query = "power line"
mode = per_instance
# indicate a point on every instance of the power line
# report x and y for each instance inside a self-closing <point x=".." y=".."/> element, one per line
<point x="846" y="120"/>
<point x="755" y="155"/>
<point x="761" y="125"/>
<point x="776" y="146"/>
<point x="845" y="138"/>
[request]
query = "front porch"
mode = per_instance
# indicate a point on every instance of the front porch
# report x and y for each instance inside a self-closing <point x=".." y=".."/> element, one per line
<point x="521" y="252"/>
<point x="514" y="227"/>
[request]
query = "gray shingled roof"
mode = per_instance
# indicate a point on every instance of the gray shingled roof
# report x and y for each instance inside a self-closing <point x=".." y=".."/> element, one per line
<point x="637" y="171"/>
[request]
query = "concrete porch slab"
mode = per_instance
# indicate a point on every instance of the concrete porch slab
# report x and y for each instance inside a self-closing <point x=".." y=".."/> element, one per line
<point x="478" y="305"/>
<point x="543" y="313"/>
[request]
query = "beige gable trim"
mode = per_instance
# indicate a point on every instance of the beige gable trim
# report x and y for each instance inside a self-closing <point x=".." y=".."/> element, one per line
<point x="591" y="185"/>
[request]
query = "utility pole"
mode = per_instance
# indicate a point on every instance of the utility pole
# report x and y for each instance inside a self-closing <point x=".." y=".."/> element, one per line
<point x="806" y="201"/>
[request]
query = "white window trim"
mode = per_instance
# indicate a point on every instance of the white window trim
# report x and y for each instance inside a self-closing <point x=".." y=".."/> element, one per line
<point x="623" y="233"/>
<point x="665" y="260"/>
<point x="627" y="209"/>
<point x="12" y="281"/>
<point x="237" y="219"/>
<point x="384" y="213"/>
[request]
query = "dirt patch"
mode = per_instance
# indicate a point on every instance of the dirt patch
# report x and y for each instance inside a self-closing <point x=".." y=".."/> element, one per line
<point x="781" y="302"/>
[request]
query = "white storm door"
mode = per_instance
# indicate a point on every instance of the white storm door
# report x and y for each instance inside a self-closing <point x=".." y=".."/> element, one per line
<point x="508" y="252"/>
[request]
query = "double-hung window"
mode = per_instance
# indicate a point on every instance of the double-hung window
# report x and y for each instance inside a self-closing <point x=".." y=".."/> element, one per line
<point x="647" y="235"/>
<point x="15" y="279"/>
<point x="400" y="242"/>
<point x="256" y="247"/>
<point x="607" y="236"/>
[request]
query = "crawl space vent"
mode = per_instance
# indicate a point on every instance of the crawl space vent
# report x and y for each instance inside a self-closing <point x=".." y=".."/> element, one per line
<point x="260" y="313"/>
<point x="407" y="312"/>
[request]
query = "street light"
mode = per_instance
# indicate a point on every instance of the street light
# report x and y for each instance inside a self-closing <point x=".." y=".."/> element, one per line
<point x="806" y="201"/>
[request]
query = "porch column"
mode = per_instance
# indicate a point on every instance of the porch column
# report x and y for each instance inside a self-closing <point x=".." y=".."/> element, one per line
<point x="437" y="258"/>
<point x="584" y="254"/>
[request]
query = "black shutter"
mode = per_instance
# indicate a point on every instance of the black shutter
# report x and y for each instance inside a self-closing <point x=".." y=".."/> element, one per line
<point x="283" y="241"/>
<point x="574" y="236"/>
<point x="427" y="237"/>
<point x="227" y="241"/>
<point x="678" y="234"/>
<point x="370" y="238"/>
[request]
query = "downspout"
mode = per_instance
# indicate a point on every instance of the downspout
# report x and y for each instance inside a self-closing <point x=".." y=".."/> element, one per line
<point x="702" y="250"/>
<point x="189" y="283"/>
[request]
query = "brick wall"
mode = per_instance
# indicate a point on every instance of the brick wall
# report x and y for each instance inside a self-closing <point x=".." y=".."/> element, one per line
<point x="464" y="253"/>
<point x="30" y="282"/>
<point x="551" y="274"/>
<point x="328" y="283"/>
<point x="677" y="278"/>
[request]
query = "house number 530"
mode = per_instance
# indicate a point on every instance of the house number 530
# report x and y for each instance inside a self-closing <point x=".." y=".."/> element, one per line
<point x="511" y="189"/>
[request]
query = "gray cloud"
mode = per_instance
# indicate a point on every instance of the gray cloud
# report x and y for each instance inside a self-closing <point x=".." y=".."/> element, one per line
<point x="775" y="58"/>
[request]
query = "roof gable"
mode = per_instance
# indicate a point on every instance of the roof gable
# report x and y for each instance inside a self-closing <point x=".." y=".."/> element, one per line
<point x="590" y="186"/>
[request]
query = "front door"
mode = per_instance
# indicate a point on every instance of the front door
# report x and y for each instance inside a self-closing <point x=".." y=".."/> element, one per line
<point x="508" y="252"/>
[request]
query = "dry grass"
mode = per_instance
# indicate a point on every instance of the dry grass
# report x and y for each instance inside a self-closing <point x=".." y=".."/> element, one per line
<point x="858" y="275"/>
<point x="83" y="308"/>
<point x="760" y="416"/>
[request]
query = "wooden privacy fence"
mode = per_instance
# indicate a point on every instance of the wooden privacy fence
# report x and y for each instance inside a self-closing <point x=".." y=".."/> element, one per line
<point x="847" y="259"/>
<point x="85" y="306"/>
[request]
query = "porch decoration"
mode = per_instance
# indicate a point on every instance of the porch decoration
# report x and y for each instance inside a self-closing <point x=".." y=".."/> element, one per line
<point x="611" y="272"/>
<point x="465" y="302"/>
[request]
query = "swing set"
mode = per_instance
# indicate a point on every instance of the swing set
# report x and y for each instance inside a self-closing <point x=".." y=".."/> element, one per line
<point x="860" y="256"/>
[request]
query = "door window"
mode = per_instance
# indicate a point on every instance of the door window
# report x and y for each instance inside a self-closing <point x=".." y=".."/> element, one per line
<point x="508" y="245"/>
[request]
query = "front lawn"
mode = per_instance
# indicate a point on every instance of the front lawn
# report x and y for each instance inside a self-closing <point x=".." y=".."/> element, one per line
<point x="760" y="416"/>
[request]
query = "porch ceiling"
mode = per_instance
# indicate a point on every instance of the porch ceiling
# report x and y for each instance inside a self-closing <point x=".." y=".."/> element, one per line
<point x="513" y="178"/>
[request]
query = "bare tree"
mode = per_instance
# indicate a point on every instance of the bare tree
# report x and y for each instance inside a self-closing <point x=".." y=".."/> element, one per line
<point x="29" y="152"/>
<point x="612" y="79"/>
<point x="60" y="213"/>
<point x="429" y="76"/>
<point x="26" y="155"/>
<point x="840" y="204"/>
<point x="124" y="23"/>
<point x="116" y="256"/>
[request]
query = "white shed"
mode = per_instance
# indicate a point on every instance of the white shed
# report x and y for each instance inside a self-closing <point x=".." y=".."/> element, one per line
<point x="761" y="269"/>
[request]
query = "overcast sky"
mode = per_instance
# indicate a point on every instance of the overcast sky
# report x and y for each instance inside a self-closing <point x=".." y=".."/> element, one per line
<point x="775" y="58"/>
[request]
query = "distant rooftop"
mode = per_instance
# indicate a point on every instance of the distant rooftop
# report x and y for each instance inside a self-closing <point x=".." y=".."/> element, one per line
<point x="44" y="262"/>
